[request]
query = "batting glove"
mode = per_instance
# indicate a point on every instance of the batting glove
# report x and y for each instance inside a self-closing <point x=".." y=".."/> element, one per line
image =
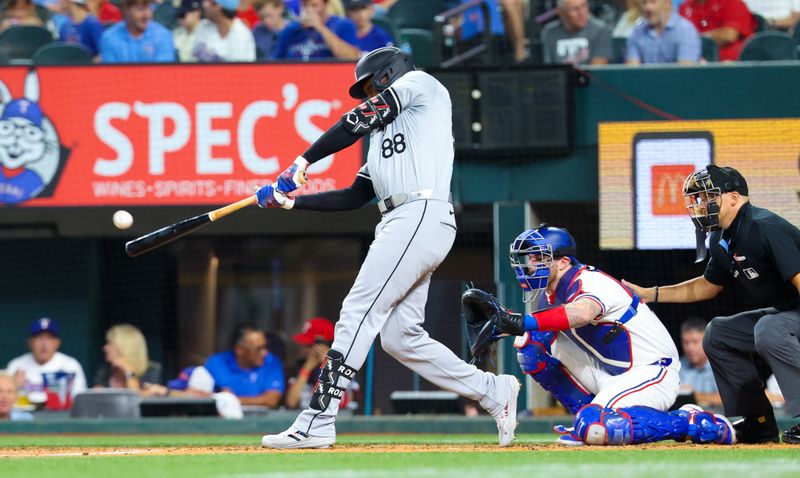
<point x="269" y="197"/>
<point x="294" y="176"/>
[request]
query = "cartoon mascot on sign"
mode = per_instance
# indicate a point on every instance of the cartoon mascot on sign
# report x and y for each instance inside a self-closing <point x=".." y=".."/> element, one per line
<point x="30" y="155"/>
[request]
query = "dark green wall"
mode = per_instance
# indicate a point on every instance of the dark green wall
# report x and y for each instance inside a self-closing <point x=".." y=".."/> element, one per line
<point x="702" y="92"/>
<point x="47" y="278"/>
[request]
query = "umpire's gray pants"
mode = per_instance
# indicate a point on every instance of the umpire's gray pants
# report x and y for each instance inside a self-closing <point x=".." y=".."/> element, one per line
<point x="738" y="344"/>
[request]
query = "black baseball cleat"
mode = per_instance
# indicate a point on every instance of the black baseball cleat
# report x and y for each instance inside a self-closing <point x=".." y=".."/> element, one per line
<point x="792" y="435"/>
<point x="757" y="429"/>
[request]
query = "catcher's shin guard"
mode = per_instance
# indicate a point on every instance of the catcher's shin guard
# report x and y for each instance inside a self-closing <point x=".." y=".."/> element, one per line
<point x="533" y="355"/>
<point x="329" y="387"/>
<point x="595" y="425"/>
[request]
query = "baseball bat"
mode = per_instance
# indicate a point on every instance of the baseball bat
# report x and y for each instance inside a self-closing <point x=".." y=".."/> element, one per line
<point x="167" y="234"/>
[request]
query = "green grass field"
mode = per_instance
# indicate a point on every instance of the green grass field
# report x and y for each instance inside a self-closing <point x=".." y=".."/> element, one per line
<point x="417" y="456"/>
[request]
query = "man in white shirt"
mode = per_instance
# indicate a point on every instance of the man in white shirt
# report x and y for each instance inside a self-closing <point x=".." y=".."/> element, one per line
<point x="44" y="373"/>
<point x="780" y="14"/>
<point x="190" y="14"/>
<point x="222" y="36"/>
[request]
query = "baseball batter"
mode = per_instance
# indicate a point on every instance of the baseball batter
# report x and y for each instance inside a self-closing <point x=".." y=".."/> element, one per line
<point x="599" y="350"/>
<point x="407" y="114"/>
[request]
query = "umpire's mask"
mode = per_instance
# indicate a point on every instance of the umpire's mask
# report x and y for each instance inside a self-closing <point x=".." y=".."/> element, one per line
<point x="702" y="190"/>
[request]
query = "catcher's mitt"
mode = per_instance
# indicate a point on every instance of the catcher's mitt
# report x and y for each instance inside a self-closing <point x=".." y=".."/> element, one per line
<point x="487" y="321"/>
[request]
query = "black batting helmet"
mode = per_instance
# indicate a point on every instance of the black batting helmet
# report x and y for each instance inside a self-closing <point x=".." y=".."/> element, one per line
<point x="387" y="62"/>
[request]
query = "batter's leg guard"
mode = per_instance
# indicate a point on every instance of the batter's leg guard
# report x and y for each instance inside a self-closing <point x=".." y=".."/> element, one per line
<point x="329" y="387"/>
<point x="533" y="355"/>
<point x="595" y="425"/>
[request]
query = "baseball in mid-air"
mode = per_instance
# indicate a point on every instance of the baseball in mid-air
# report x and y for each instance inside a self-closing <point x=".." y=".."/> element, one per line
<point x="122" y="219"/>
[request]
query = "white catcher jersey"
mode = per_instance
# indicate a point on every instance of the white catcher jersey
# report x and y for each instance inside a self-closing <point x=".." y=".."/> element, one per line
<point x="415" y="151"/>
<point x="640" y="338"/>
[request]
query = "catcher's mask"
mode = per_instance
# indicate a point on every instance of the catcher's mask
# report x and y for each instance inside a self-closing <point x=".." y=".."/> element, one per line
<point x="382" y="67"/>
<point x="702" y="190"/>
<point x="532" y="253"/>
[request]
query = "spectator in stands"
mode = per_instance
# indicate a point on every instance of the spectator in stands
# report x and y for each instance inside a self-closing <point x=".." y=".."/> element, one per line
<point x="246" y="12"/>
<point x="628" y="21"/>
<point x="82" y="28"/>
<point x="272" y="14"/>
<point x="318" y="35"/>
<point x="665" y="37"/>
<point x="8" y="398"/>
<point x="507" y="21"/>
<point x="138" y="39"/>
<point x="696" y="375"/>
<point x="221" y="36"/>
<point x="577" y="37"/>
<point x="189" y="14"/>
<point x="779" y="14"/>
<point x="382" y="7"/>
<point x="248" y="370"/>
<point x="105" y="11"/>
<point x="44" y="373"/>
<point x="369" y="36"/>
<point x="20" y="12"/>
<point x="314" y="340"/>
<point x="727" y="22"/>
<point x="128" y="364"/>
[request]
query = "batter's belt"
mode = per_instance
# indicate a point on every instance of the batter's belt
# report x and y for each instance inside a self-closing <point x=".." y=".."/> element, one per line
<point x="396" y="200"/>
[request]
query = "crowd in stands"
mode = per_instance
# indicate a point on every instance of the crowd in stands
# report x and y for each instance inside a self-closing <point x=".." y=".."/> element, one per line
<point x="250" y="372"/>
<point x="550" y="31"/>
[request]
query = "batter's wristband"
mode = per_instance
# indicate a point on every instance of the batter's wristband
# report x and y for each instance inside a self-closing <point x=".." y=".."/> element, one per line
<point x="655" y="298"/>
<point x="304" y="374"/>
<point x="552" y="319"/>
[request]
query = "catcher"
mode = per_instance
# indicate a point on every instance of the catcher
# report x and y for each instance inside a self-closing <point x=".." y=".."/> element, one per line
<point x="593" y="345"/>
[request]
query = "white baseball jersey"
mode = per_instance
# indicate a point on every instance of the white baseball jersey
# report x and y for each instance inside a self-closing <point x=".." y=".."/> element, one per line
<point x="640" y="338"/>
<point x="415" y="151"/>
<point x="34" y="372"/>
<point x="412" y="153"/>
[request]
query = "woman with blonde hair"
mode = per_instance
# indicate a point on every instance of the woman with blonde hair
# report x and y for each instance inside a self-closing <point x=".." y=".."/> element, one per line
<point x="128" y="364"/>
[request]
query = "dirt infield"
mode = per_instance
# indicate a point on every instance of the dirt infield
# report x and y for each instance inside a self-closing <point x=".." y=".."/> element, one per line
<point x="44" y="452"/>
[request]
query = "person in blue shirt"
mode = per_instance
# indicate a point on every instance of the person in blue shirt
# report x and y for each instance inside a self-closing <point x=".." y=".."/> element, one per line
<point x="137" y="39"/>
<point x="506" y="21"/>
<point x="82" y="28"/>
<point x="248" y="370"/>
<point x="272" y="22"/>
<point x="664" y="36"/>
<point x="318" y="35"/>
<point x="370" y="37"/>
<point x="696" y="374"/>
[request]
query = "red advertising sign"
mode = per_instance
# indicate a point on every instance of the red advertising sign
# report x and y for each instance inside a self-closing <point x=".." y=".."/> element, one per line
<point x="165" y="134"/>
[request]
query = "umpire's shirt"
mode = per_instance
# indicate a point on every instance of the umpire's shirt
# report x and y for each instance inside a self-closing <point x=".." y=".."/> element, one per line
<point x="762" y="251"/>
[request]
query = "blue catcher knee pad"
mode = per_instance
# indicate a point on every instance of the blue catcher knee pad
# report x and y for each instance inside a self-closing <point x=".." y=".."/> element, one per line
<point x="533" y="355"/>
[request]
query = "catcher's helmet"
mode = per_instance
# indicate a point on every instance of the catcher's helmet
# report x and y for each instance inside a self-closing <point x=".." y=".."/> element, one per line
<point x="701" y="190"/>
<point x="383" y="66"/>
<point x="532" y="253"/>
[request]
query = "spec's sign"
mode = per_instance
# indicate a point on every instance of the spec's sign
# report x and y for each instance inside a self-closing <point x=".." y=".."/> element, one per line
<point x="165" y="134"/>
<point x="642" y="167"/>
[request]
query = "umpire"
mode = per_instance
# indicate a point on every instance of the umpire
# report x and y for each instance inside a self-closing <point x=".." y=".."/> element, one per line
<point x="762" y="251"/>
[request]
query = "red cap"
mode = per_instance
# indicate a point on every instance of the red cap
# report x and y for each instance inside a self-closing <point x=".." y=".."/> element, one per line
<point x="316" y="328"/>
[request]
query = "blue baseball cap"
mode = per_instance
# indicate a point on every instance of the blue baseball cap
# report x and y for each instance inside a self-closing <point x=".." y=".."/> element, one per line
<point x="44" y="325"/>
<point x="231" y="5"/>
<point x="24" y="108"/>
<point x="196" y="378"/>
